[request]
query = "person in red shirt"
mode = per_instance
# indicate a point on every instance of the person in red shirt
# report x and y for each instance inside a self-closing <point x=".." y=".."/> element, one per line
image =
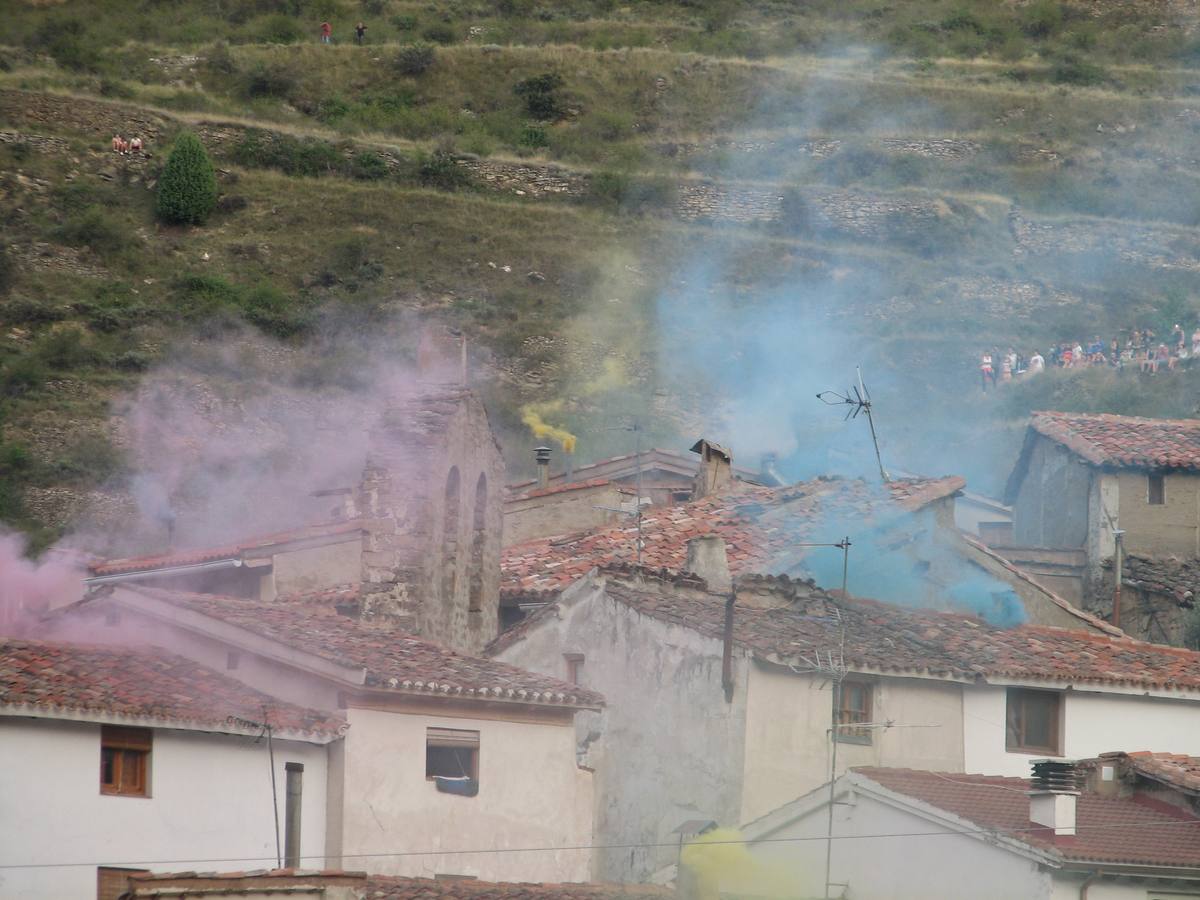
<point x="326" y="33"/>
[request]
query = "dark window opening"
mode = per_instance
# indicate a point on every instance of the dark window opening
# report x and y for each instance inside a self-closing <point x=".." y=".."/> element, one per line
<point x="854" y="708"/>
<point x="452" y="753"/>
<point x="450" y="537"/>
<point x="125" y="761"/>
<point x="1156" y="490"/>
<point x="574" y="666"/>
<point x="478" y="537"/>
<point x="1033" y="722"/>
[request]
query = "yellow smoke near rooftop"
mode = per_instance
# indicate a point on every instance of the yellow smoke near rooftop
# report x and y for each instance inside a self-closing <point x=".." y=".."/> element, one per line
<point x="532" y="415"/>
<point x="718" y="862"/>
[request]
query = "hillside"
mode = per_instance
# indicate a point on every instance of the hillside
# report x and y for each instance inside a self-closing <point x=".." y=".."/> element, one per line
<point x="695" y="216"/>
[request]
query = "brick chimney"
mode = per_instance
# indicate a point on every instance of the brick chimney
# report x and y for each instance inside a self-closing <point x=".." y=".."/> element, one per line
<point x="708" y="559"/>
<point x="716" y="469"/>
<point x="1054" y="795"/>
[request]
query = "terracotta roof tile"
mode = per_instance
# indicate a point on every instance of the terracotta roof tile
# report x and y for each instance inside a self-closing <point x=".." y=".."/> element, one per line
<point x="227" y="551"/>
<point x="393" y="659"/>
<point x="882" y="637"/>
<point x="1124" y="441"/>
<point x="1111" y="830"/>
<point x="1175" y="769"/>
<point x="384" y="887"/>
<point x="140" y="684"/>
<point x="564" y="488"/>
<point x="759" y="524"/>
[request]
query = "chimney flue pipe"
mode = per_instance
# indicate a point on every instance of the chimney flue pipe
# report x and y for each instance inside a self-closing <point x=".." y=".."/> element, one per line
<point x="543" y="466"/>
<point x="291" y="814"/>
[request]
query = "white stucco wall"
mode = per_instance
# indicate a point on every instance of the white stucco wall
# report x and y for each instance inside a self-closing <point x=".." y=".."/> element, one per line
<point x="210" y="800"/>
<point x="787" y="723"/>
<point x="1093" y="723"/>
<point x="531" y="794"/>
<point x="668" y="748"/>
<point x="943" y="866"/>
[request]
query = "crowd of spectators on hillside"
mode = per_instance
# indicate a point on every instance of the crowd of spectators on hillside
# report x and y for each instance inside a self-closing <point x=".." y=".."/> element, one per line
<point x="1140" y="350"/>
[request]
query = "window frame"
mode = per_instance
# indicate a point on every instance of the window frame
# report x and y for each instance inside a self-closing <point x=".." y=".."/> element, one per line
<point x="861" y="713"/>
<point x="128" y="747"/>
<point x="453" y="739"/>
<point x="575" y="663"/>
<point x="1156" y="489"/>
<point x="1015" y="740"/>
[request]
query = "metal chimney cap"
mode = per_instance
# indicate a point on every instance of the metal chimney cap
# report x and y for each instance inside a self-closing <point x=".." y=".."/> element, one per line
<point x="542" y="454"/>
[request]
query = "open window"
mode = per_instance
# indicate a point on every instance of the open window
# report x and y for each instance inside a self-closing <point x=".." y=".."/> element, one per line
<point x="125" y="761"/>
<point x="452" y="760"/>
<point x="1033" y="722"/>
<point x="1156" y="490"/>
<point x="854" y="708"/>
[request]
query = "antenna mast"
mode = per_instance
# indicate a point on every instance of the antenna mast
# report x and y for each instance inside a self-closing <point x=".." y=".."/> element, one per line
<point x="859" y="401"/>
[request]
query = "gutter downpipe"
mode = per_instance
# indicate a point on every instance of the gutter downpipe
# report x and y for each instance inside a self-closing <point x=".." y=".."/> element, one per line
<point x="727" y="649"/>
<point x="1087" y="884"/>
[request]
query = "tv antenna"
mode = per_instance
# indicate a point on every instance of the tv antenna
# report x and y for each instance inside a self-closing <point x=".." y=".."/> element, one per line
<point x="858" y="398"/>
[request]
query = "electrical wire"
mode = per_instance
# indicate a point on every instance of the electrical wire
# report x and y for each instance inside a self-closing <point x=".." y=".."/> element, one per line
<point x="980" y="832"/>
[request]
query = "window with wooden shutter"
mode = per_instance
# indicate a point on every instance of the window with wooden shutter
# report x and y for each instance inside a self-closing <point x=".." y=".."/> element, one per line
<point x="125" y="761"/>
<point x="1033" y="722"/>
<point x="854" y="708"/>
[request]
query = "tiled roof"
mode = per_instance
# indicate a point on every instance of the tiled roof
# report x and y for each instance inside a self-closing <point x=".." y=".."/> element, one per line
<point x="393" y="659"/>
<point x="626" y="466"/>
<point x="564" y="488"/>
<point x="1125" y="441"/>
<point x="1169" y="576"/>
<point x="760" y="526"/>
<point x="382" y="887"/>
<point x="77" y="680"/>
<point x="386" y="887"/>
<point x="881" y="637"/>
<point x="228" y="551"/>
<point x="1175" y="769"/>
<point x="1114" y="830"/>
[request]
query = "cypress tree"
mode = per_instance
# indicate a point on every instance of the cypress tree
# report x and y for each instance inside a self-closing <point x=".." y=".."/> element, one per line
<point x="187" y="188"/>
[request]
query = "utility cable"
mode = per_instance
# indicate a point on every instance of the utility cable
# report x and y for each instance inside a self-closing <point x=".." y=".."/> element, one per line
<point x="979" y="832"/>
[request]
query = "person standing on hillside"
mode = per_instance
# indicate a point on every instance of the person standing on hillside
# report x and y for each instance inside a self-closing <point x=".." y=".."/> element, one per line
<point x="360" y="31"/>
<point x="986" y="372"/>
<point x="326" y="33"/>
<point x="1037" y="364"/>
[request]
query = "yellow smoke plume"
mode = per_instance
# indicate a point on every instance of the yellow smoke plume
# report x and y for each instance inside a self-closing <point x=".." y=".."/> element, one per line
<point x="718" y="862"/>
<point x="532" y="415"/>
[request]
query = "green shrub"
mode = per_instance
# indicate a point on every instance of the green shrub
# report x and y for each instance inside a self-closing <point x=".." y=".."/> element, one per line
<point x="414" y="59"/>
<point x="331" y="109"/>
<point x="187" y="188"/>
<point x="440" y="34"/>
<point x="404" y="23"/>
<point x="94" y="228"/>
<point x="8" y="270"/>
<point x="273" y="311"/>
<point x="220" y="60"/>
<point x="22" y="376"/>
<point x="540" y="93"/>
<point x="270" y="80"/>
<point x="1069" y="68"/>
<point x="368" y="166"/>
<point x="66" y="348"/>
<point x="440" y="169"/>
<point x="278" y="29"/>
<point x="1042" y="18"/>
<point x="65" y="39"/>
<point x="533" y="136"/>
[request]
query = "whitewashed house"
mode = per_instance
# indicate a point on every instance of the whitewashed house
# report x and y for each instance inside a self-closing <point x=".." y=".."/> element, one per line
<point x="718" y="712"/>
<point x="114" y="759"/>
<point x="1122" y="827"/>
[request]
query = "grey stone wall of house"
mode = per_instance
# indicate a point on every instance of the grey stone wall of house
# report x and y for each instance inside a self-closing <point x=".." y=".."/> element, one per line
<point x="662" y="756"/>
<point x="431" y="496"/>
<point x="1052" y="506"/>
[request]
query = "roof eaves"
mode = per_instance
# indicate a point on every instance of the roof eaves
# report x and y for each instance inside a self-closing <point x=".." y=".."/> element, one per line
<point x="226" y="725"/>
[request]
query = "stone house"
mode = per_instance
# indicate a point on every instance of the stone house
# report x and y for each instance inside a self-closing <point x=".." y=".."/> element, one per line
<point x="1084" y="482"/>
<point x="420" y="535"/>
<point x="441" y="751"/>
<point x="1129" y="831"/>
<point x="904" y="547"/>
<point x="717" y="712"/>
<point x="138" y="756"/>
